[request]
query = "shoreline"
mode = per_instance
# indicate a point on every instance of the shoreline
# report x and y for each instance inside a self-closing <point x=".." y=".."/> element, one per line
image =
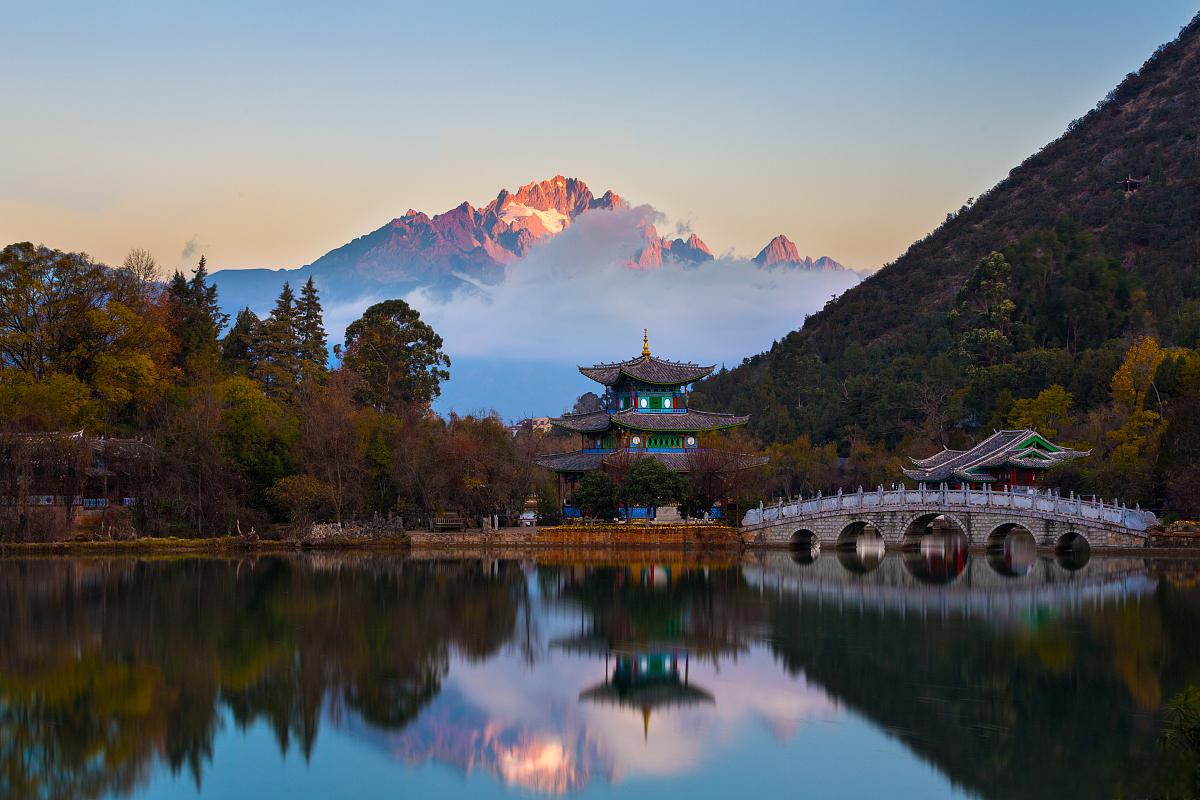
<point x="693" y="539"/>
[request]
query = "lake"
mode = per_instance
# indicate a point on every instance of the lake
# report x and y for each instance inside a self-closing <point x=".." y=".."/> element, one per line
<point x="587" y="674"/>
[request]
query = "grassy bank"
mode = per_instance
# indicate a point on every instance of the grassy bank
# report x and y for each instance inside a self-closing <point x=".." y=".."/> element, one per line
<point x="168" y="545"/>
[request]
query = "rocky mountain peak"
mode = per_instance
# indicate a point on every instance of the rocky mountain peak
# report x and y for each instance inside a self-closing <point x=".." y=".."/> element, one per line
<point x="778" y="250"/>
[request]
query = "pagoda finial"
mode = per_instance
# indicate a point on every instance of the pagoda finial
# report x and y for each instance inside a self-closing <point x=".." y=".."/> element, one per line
<point x="645" y="342"/>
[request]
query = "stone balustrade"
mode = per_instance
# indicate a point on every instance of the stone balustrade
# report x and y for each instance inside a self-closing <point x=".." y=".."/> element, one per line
<point x="1088" y="516"/>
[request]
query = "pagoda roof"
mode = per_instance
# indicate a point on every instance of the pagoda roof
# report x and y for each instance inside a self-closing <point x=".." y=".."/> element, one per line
<point x="648" y="369"/>
<point x="1025" y="448"/>
<point x="585" y="461"/>
<point x="647" y="696"/>
<point x="632" y="419"/>
<point x="587" y="422"/>
<point x="690" y="420"/>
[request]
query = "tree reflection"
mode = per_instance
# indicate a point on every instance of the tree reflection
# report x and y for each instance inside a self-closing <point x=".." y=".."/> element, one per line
<point x="109" y="666"/>
<point x="1063" y="705"/>
<point x="110" y="669"/>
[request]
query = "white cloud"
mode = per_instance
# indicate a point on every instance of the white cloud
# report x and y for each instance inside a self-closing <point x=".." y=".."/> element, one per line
<point x="574" y="299"/>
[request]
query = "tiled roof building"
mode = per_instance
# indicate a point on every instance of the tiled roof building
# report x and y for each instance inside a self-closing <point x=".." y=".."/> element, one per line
<point x="644" y="413"/>
<point x="1009" y="458"/>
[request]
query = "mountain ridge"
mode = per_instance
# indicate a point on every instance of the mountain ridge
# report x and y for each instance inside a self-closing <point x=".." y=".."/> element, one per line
<point x="465" y="246"/>
<point x="1090" y="252"/>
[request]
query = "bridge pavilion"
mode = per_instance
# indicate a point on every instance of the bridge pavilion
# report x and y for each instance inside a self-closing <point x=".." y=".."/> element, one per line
<point x="1006" y="458"/>
<point x="645" y="413"/>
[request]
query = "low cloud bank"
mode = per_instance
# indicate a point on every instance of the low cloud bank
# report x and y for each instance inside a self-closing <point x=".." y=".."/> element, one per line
<point x="575" y="299"/>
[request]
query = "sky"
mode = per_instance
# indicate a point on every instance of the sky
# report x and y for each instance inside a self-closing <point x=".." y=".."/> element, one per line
<point x="265" y="134"/>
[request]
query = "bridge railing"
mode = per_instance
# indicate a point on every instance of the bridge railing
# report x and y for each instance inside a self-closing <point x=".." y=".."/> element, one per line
<point x="1045" y="502"/>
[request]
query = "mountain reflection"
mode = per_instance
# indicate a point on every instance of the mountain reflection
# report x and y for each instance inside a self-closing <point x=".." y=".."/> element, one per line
<point x="1011" y="674"/>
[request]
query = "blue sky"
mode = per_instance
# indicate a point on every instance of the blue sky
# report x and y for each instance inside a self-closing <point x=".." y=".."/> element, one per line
<point x="268" y="133"/>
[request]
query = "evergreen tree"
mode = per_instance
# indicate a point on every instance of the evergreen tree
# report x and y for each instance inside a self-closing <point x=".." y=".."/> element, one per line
<point x="310" y="330"/>
<point x="278" y="363"/>
<point x="984" y="312"/>
<point x="199" y="319"/>
<point x="239" y="348"/>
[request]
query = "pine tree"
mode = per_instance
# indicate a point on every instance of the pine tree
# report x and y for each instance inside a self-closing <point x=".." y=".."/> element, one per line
<point x="310" y="330"/>
<point x="199" y="319"/>
<point x="278" y="362"/>
<point x="239" y="348"/>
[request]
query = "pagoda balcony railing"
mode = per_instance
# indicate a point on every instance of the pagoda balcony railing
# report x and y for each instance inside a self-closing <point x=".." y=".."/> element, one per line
<point x="1050" y="503"/>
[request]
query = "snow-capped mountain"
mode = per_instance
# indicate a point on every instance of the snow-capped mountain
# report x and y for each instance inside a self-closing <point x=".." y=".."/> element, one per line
<point x="467" y="246"/>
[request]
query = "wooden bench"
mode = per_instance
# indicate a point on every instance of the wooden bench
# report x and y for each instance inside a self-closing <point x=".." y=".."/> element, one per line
<point x="447" y="523"/>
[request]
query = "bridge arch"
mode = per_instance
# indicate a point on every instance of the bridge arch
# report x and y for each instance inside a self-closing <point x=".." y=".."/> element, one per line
<point x="854" y="531"/>
<point x="921" y="528"/>
<point x="1012" y="549"/>
<point x="860" y="547"/>
<point x="1072" y="550"/>
<point x="805" y="545"/>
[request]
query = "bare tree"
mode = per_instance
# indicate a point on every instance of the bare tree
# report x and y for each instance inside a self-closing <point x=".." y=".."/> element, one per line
<point x="140" y="268"/>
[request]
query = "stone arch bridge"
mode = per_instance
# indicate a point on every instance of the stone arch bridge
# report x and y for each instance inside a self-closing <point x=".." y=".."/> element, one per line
<point x="901" y="516"/>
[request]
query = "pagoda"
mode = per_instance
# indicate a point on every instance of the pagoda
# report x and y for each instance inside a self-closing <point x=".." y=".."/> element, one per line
<point x="644" y="413"/>
<point x="1008" y="458"/>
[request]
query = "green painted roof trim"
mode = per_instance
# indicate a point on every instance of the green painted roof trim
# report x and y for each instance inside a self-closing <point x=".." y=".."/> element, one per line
<point x="1036" y="439"/>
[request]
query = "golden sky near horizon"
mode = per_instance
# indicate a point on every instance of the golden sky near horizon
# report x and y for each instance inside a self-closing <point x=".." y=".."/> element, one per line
<point x="266" y="136"/>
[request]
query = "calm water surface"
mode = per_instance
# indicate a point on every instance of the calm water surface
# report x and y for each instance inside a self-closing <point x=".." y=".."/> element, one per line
<point x="668" y="676"/>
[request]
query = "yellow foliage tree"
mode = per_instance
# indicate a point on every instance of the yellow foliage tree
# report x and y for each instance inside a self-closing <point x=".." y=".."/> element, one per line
<point x="1045" y="413"/>
<point x="1134" y="379"/>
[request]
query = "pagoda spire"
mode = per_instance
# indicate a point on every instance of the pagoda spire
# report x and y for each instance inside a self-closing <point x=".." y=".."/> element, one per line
<point x="645" y="342"/>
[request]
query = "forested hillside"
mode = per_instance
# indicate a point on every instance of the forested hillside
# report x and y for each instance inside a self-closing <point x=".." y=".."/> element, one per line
<point x="1046" y="281"/>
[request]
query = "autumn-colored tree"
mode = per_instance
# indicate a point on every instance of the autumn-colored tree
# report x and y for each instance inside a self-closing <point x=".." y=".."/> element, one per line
<point x="1046" y="413"/>
<point x="799" y="467"/>
<point x="69" y="322"/>
<point x="302" y="497"/>
<point x="331" y="445"/>
<point x="1133" y="386"/>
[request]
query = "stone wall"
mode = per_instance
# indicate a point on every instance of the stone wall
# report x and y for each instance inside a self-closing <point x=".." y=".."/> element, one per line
<point x="330" y="533"/>
<point x="584" y="536"/>
<point x="1178" y="534"/>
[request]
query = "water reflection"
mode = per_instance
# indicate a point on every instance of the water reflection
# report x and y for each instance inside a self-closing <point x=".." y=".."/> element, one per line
<point x="938" y="558"/>
<point x="864" y="555"/>
<point x="1012" y="551"/>
<point x="576" y="672"/>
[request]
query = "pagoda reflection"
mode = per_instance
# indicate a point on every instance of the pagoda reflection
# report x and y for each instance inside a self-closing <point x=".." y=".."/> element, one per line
<point x="648" y="621"/>
<point x="647" y="681"/>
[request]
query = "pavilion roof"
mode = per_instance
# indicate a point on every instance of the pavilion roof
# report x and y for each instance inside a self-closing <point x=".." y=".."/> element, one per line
<point x="587" y="422"/>
<point x="648" y="369"/>
<point x="1025" y="448"/>
<point x="584" y="461"/>
<point x="681" y="421"/>
<point x="647" y="696"/>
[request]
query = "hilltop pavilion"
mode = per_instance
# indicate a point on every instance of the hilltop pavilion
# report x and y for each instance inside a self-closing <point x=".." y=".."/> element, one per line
<point x="644" y="414"/>
<point x="1006" y="458"/>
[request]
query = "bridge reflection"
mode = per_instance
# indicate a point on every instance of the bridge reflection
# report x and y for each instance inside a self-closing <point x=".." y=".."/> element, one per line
<point x="943" y="577"/>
